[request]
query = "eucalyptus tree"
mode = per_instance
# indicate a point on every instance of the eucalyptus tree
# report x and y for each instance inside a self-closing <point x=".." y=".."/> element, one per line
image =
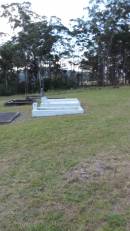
<point x="36" y="36"/>
<point x="19" y="16"/>
<point x="7" y="53"/>
<point x="104" y="34"/>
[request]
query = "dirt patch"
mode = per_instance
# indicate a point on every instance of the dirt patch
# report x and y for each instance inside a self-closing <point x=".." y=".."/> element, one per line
<point x="111" y="171"/>
<point x="103" y="167"/>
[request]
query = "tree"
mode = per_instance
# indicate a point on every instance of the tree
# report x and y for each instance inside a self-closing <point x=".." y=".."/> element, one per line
<point x="37" y="39"/>
<point x="103" y="34"/>
<point x="7" y="53"/>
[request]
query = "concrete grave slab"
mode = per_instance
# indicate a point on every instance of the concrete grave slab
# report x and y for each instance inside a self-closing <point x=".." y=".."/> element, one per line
<point x="8" y="117"/>
<point x="54" y="107"/>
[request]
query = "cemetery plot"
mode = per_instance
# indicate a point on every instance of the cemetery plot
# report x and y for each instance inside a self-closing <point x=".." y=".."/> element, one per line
<point x="54" y="107"/>
<point x="19" y="102"/>
<point x="8" y="117"/>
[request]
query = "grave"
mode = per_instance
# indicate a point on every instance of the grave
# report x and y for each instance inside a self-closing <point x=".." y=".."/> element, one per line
<point x="53" y="107"/>
<point x="8" y="117"/>
<point x="19" y="102"/>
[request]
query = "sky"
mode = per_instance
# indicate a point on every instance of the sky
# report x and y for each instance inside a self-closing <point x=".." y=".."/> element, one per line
<point x="64" y="9"/>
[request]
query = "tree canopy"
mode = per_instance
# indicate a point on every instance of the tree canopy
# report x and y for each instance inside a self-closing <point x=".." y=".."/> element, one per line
<point x="104" y="36"/>
<point x="99" y="42"/>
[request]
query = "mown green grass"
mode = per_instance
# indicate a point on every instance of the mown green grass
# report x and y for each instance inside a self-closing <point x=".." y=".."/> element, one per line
<point x="36" y="155"/>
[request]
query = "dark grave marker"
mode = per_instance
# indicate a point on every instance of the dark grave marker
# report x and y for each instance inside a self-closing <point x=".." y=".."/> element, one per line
<point x="8" y="117"/>
<point x="19" y="102"/>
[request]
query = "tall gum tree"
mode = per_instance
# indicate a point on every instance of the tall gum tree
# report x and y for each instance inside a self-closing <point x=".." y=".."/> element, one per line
<point x="105" y="34"/>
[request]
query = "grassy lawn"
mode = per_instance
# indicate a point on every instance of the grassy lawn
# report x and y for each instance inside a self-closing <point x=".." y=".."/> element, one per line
<point x="68" y="173"/>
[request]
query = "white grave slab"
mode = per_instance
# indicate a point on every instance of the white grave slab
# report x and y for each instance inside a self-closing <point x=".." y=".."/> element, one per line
<point x="53" y="107"/>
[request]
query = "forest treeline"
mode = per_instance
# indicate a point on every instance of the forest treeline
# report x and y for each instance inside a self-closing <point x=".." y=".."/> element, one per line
<point x="98" y="43"/>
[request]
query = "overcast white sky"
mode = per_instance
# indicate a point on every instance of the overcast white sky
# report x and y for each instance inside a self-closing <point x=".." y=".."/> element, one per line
<point x="64" y="9"/>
